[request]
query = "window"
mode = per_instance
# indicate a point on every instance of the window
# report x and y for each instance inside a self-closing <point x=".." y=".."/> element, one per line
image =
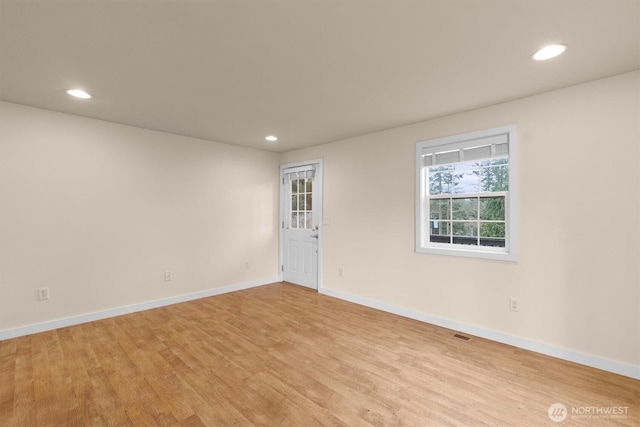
<point x="301" y="193"/>
<point x="466" y="202"/>
<point x="301" y="203"/>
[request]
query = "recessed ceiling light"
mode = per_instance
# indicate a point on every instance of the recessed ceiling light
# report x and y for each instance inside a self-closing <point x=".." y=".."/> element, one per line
<point x="79" y="93"/>
<point x="549" y="52"/>
<point x="271" y="138"/>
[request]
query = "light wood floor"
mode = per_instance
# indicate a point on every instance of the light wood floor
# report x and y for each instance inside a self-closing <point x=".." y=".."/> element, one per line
<point x="285" y="355"/>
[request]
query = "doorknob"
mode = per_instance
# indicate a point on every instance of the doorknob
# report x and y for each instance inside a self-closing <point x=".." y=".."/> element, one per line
<point x="315" y="236"/>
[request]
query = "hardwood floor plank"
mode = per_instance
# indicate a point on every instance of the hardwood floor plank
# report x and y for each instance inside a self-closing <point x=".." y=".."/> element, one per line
<point x="24" y="397"/>
<point x="283" y="355"/>
<point x="8" y="384"/>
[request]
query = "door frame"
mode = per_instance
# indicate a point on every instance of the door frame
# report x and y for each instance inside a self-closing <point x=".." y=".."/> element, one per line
<point x="318" y="204"/>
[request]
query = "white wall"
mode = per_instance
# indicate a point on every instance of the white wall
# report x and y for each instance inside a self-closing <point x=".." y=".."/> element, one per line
<point x="577" y="274"/>
<point x="98" y="211"/>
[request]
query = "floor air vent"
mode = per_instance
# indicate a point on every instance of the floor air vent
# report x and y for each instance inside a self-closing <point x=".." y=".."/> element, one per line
<point x="462" y="337"/>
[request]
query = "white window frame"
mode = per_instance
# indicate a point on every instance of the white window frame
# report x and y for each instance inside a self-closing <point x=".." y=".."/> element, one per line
<point x="423" y="245"/>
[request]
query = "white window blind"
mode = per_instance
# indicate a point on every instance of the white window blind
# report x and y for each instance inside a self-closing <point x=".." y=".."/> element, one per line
<point x="473" y="150"/>
<point x="300" y="172"/>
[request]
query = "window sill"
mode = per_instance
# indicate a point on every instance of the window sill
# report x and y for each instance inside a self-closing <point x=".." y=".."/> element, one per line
<point x="461" y="251"/>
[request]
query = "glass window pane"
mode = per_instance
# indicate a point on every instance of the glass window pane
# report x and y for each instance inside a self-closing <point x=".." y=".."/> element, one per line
<point x="301" y="202"/>
<point x="492" y="229"/>
<point x="308" y="206"/>
<point x="492" y="234"/>
<point x="440" y="179"/>
<point x="309" y="222"/>
<point x="465" y="233"/>
<point x="309" y="186"/>
<point x="294" y="203"/>
<point x="439" y="209"/>
<point x="492" y="208"/>
<point x="465" y="179"/>
<point x="440" y="228"/>
<point x="440" y="183"/>
<point x="294" y="186"/>
<point x="494" y="178"/>
<point x="465" y="167"/>
<point x="502" y="178"/>
<point x="466" y="208"/>
<point x="294" y="220"/>
<point x="469" y="229"/>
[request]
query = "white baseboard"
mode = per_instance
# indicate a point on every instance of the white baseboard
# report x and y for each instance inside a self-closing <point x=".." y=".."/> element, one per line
<point x="527" y="344"/>
<point x="118" y="311"/>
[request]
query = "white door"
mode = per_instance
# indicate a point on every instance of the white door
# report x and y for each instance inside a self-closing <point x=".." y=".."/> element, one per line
<point x="301" y="212"/>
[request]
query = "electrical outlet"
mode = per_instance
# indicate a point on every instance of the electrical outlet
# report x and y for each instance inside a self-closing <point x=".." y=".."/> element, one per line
<point x="43" y="294"/>
<point x="340" y="272"/>
<point x="246" y="265"/>
<point x="514" y="304"/>
<point x="167" y="276"/>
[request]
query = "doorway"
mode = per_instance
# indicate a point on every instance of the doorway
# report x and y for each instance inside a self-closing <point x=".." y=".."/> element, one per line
<point x="301" y="223"/>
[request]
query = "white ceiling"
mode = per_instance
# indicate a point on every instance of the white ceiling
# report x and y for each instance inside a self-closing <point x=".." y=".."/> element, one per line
<point x="308" y="71"/>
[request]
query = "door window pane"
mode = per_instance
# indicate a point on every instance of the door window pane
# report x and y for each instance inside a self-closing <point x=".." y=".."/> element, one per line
<point x="301" y="203"/>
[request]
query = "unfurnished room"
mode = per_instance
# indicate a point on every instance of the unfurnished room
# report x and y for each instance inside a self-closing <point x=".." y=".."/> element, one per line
<point x="319" y="213"/>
